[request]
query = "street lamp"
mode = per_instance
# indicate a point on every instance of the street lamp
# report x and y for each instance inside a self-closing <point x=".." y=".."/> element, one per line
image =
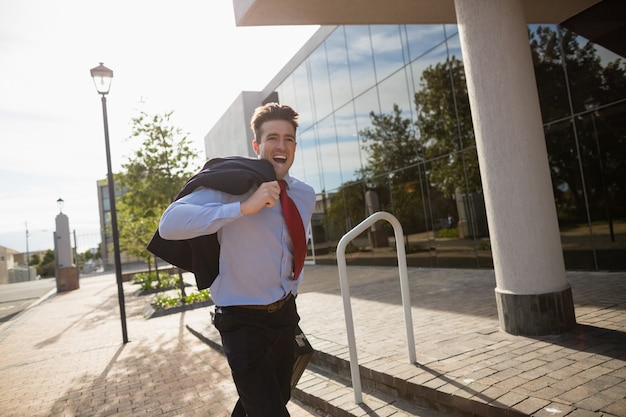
<point x="592" y="107"/>
<point x="102" y="77"/>
<point x="27" y="254"/>
<point x="60" y="204"/>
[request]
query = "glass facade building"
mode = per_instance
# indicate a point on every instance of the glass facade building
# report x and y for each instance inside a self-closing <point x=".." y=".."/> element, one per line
<point x="386" y="125"/>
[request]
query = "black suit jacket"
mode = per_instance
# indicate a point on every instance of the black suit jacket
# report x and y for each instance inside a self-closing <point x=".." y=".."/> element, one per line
<point x="200" y="255"/>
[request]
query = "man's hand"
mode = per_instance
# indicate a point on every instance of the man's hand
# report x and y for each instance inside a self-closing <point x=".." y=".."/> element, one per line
<point x="265" y="196"/>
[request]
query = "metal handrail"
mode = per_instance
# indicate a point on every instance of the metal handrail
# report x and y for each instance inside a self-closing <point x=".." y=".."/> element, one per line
<point x="345" y="292"/>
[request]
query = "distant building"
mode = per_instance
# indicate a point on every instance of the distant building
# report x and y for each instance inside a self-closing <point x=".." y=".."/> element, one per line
<point x="104" y="210"/>
<point x="13" y="267"/>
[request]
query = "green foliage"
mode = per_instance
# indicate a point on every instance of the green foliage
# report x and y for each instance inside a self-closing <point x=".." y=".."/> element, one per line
<point x="198" y="296"/>
<point x="390" y="144"/>
<point x="149" y="281"/>
<point x="47" y="266"/>
<point x="437" y="154"/>
<point x="446" y="131"/>
<point x="151" y="179"/>
<point x="413" y="247"/>
<point x="601" y="133"/>
<point x="165" y="301"/>
<point x="346" y="209"/>
<point x="448" y="233"/>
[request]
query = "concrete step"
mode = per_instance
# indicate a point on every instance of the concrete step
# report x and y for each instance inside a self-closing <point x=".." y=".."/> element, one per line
<point x="395" y="384"/>
<point x="335" y="398"/>
<point x="326" y="386"/>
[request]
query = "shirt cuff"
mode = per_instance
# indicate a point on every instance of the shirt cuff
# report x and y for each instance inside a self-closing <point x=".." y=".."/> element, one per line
<point x="232" y="210"/>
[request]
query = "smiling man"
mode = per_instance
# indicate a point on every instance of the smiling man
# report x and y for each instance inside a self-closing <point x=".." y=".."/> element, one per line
<point x="259" y="264"/>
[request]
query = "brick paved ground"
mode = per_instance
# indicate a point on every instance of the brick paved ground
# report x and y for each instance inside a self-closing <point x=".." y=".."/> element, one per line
<point x="65" y="357"/>
<point x="461" y="351"/>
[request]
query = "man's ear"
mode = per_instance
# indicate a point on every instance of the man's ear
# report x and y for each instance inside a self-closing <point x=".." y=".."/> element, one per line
<point x="255" y="146"/>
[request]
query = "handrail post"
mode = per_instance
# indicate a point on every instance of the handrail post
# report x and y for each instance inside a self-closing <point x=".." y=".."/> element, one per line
<point x="345" y="292"/>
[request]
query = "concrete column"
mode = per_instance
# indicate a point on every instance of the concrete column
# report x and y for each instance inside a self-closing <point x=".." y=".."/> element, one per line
<point x="532" y="293"/>
<point x="63" y="243"/>
<point x="66" y="273"/>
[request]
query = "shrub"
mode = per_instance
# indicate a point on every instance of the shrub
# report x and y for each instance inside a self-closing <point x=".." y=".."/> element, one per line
<point x="165" y="301"/>
<point x="448" y="233"/>
<point x="149" y="281"/>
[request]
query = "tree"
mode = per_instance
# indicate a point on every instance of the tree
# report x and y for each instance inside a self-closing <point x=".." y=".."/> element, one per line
<point x="555" y="55"/>
<point x="390" y="143"/>
<point x="391" y="169"/>
<point x="446" y="131"/>
<point x="47" y="267"/>
<point x="151" y="179"/>
<point x="346" y="209"/>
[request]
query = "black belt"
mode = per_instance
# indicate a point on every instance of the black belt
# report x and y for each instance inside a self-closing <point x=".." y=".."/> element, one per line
<point x="270" y="308"/>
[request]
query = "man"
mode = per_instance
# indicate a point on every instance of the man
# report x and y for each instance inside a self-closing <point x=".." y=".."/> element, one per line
<point x="255" y="288"/>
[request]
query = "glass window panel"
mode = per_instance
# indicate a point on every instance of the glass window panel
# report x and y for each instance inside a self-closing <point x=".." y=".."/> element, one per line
<point x="435" y="56"/>
<point x="569" y="196"/>
<point x="306" y="165"/>
<point x="394" y="90"/>
<point x="320" y="83"/>
<point x="299" y="167"/>
<point x="360" y="58"/>
<point x="600" y="137"/>
<point x="454" y="47"/>
<point x="349" y="149"/>
<point x="422" y="38"/>
<point x="363" y="105"/>
<point x="447" y="185"/>
<point x="436" y="105"/>
<point x="303" y="99"/>
<point x="329" y="154"/>
<point x="286" y="93"/>
<point x="591" y="69"/>
<point x="345" y="210"/>
<point x="387" y="47"/>
<point x="549" y="74"/>
<point x="338" y="71"/>
<point x="451" y="30"/>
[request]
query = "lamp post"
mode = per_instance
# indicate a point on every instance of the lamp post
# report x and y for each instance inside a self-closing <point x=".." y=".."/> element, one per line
<point x="102" y="77"/>
<point x="27" y="254"/>
<point x="592" y="107"/>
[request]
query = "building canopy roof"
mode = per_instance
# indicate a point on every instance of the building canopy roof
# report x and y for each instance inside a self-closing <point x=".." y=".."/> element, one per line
<point x="600" y="21"/>
<point x="346" y="12"/>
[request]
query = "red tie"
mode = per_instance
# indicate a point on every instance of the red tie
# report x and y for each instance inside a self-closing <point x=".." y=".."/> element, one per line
<point x="295" y="227"/>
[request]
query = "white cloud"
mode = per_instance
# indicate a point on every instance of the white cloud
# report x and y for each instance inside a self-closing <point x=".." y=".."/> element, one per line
<point x="184" y="56"/>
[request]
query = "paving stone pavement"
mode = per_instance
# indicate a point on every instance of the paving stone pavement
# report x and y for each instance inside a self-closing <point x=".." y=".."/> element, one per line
<point x="461" y="351"/>
<point x="64" y="356"/>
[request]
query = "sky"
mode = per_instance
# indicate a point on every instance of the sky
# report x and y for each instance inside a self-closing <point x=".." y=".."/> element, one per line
<point x="185" y="56"/>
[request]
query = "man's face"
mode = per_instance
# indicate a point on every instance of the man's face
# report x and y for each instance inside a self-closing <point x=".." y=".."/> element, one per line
<point x="277" y="145"/>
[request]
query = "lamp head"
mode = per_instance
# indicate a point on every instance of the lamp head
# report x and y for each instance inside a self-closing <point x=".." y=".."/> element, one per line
<point x="60" y="204"/>
<point x="102" y="77"/>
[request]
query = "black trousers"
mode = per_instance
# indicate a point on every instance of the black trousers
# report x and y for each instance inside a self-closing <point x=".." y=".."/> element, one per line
<point x="259" y="346"/>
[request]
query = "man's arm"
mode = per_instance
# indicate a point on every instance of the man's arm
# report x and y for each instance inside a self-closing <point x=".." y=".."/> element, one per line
<point x="205" y="211"/>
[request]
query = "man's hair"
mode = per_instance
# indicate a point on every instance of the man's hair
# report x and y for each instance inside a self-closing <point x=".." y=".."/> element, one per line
<point x="272" y="111"/>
